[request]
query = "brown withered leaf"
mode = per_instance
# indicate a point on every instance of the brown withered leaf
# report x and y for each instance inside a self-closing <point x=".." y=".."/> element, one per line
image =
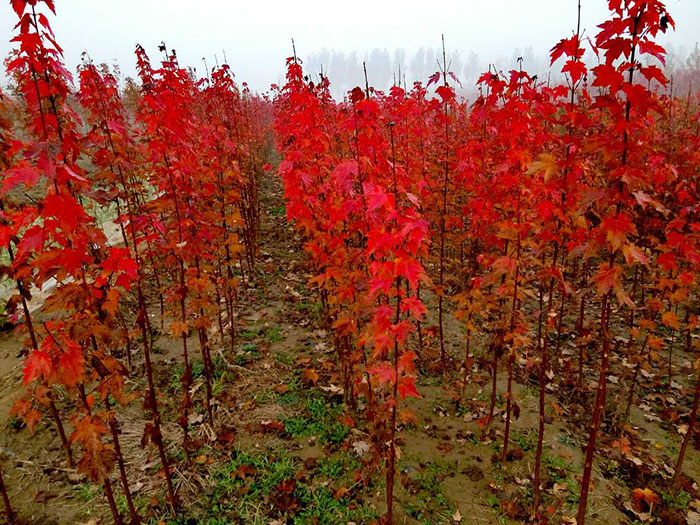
<point x="309" y="376"/>
<point x="244" y="471"/>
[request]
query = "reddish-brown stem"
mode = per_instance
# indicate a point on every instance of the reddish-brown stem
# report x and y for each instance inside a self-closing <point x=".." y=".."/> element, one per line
<point x="114" y="429"/>
<point x="693" y="413"/>
<point x="9" y="513"/>
<point x="595" y="420"/>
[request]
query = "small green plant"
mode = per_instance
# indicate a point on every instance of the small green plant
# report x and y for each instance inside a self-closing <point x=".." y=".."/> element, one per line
<point x="249" y="334"/>
<point x="87" y="492"/>
<point x="430" y="505"/>
<point x="566" y="439"/>
<point x="273" y="335"/>
<point x="525" y="439"/>
<point x="678" y="500"/>
<point x="249" y="352"/>
<point x="284" y="358"/>
<point x="557" y="467"/>
<point x="320" y="418"/>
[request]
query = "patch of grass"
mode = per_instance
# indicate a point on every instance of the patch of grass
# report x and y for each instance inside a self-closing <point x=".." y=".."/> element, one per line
<point x="273" y="335"/>
<point x="530" y="392"/>
<point x="314" y="309"/>
<point x="334" y="467"/>
<point x="557" y="467"/>
<point x="87" y="491"/>
<point x="573" y="491"/>
<point x="249" y="334"/>
<point x="430" y="505"/>
<point x="431" y="381"/>
<point x="218" y="379"/>
<point x="525" y="439"/>
<point x="293" y="396"/>
<point x="320" y="418"/>
<point x="249" y="352"/>
<point x="279" y="210"/>
<point x="492" y="501"/>
<point x="320" y="506"/>
<point x="566" y="439"/>
<point x="16" y="423"/>
<point x="289" y="399"/>
<point x="284" y="358"/>
<point x="242" y="484"/>
<point x="245" y="490"/>
<point x="679" y="500"/>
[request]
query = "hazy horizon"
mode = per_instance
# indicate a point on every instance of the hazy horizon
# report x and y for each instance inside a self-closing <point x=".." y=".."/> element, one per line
<point x="256" y="38"/>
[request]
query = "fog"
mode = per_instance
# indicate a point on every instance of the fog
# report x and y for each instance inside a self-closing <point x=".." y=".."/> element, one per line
<point x="255" y="37"/>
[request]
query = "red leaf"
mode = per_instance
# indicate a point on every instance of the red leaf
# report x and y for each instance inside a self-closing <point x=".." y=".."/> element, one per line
<point x="575" y="68"/>
<point x="405" y="362"/>
<point x="407" y="387"/>
<point x="415" y="306"/>
<point x="18" y="6"/>
<point x="383" y="371"/>
<point x="37" y="365"/>
<point x="26" y="175"/>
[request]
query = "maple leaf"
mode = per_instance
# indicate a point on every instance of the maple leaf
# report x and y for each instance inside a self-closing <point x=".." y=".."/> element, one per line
<point x="407" y="387"/>
<point x="654" y="73"/>
<point x="19" y="6"/>
<point x="273" y="426"/>
<point x="26" y="175"/>
<point x="309" y="376"/>
<point x="88" y="432"/>
<point x="575" y="68"/>
<point x="71" y="364"/>
<point x="607" y="278"/>
<point x="37" y="365"/>
<point x="616" y="228"/>
<point x="341" y="493"/>
<point x="546" y="163"/>
<point x="65" y="208"/>
<point x="646" y="495"/>
<point x="111" y="302"/>
<point x="410" y="269"/>
<point x="435" y="77"/>
<point x="568" y="47"/>
<point x="648" y="47"/>
<point x="607" y="75"/>
<point x="667" y="260"/>
<point x="633" y="254"/>
<point x="361" y="447"/>
<point x="415" y="306"/>
<point x="32" y="241"/>
<point x="383" y="371"/>
<point x="671" y="320"/>
<point x="23" y="409"/>
<point x="407" y="416"/>
<point x="31" y="419"/>
<point x="244" y="471"/>
<point x="405" y="362"/>
<point x="97" y="465"/>
<point x="178" y="329"/>
<point x="623" y="444"/>
<point x="375" y="198"/>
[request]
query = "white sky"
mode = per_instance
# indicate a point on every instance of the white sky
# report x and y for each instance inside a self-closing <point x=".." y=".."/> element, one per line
<point x="256" y="35"/>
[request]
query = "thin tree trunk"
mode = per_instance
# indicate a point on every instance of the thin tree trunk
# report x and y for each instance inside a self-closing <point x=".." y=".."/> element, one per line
<point x="6" y="500"/>
<point x="595" y="421"/>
